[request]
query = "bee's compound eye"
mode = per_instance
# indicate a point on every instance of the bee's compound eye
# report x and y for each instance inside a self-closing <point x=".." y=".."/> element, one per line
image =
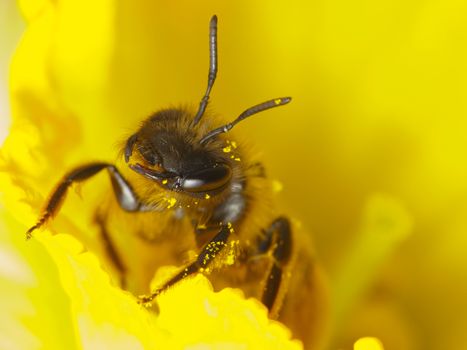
<point x="207" y="179"/>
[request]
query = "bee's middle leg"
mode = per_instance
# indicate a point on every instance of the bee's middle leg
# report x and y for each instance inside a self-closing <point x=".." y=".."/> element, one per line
<point x="110" y="249"/>
<point x="277" y="240"/>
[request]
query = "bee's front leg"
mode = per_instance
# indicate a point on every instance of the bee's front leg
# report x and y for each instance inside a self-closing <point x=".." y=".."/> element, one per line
<point x="207" y="254"/>
<point x="124" y="193"/>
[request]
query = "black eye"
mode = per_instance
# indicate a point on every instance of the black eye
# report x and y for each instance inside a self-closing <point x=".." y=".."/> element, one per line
<point x="207" y="179"/>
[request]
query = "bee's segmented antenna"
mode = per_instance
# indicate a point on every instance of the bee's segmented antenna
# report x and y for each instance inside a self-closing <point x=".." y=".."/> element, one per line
<point x="212" y="68"/>
<point x="249" y="112"/>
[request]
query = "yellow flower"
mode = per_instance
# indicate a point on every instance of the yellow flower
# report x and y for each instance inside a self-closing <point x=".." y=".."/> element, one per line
<point x="371" y="153"/>
<point x="61" y="298"/>
<point x="64" y="300"/>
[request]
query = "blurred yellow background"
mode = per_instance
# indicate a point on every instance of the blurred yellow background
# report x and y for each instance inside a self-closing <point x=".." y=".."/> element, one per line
<point x="378" y="116"/>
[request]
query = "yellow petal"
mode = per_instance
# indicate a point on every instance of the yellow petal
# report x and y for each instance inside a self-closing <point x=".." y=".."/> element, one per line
<point x="36" y="311"/>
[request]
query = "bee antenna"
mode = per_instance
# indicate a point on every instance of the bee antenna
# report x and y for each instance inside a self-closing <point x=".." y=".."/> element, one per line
<point x="212" y="68"/>
<point x="248" y="113"/>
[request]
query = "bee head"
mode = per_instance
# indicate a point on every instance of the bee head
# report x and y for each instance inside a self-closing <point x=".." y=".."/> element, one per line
<point x="169" y="153"/>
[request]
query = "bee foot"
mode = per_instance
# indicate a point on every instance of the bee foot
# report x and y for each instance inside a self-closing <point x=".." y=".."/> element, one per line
<point x="29" y="232"/>
<point x="145" y="300"/>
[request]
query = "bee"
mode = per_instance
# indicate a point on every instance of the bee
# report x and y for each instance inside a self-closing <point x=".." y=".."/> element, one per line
<point x="187" y="193"/>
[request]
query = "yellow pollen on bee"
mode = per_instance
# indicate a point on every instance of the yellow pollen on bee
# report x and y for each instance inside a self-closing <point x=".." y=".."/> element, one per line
<point x="164" y="182"/>
<point x="227" y="149"/>
<point x="234" y="144"/>
<point x="232" y="156"/>
<point x="201" y="226"/>
<point x="230" y="260"/>
<point x="207" y="196"/>
<point x="230" y="227"/>
<point x="237" y="159"/>
<point x="277" y="101"/>
<point x="172" y="202"/>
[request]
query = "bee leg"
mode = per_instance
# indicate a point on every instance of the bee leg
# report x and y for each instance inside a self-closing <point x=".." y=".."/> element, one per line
<point x="111" y="250"/>
<point x="278" y="241"/>
<point x="207" y="254"/>
<point x="123" y="191"/>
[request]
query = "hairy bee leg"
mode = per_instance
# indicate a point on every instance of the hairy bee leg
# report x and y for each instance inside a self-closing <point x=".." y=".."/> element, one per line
<point x="207" y="254"/>
<point x="278" y="239"/>
<point x="122" y="189"/>
<point x="111" y="250"/>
